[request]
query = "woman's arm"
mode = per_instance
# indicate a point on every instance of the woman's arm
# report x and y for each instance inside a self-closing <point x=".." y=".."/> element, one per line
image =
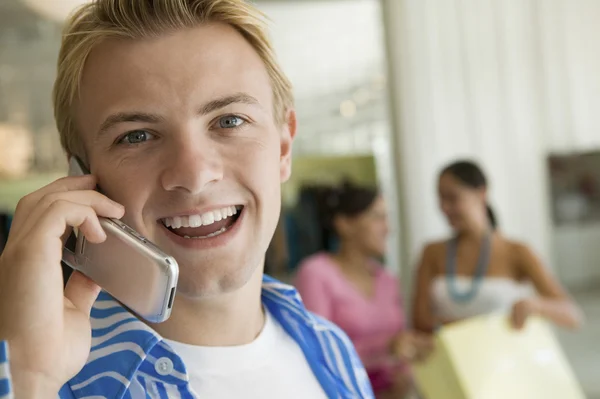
<point x="423" y="317"/>
<point x="552" y="301"/>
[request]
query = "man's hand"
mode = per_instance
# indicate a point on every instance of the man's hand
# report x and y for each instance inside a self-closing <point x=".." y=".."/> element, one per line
<point x="48" y="328"/>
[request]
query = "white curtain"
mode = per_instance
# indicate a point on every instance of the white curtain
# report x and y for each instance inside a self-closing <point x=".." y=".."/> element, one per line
<point x="570" y="49"/>
<point x="503" y="82"/>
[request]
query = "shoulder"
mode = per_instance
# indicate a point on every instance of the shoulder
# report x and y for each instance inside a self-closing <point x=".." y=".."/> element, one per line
<point x="319" y="264"/>
<point x="386" y="276"/>
<point x="433" y="250"/>
<point x="518" y="249"/>
<point x="434" y="247"/>
<point x="522" y="256"/>
<point x="319" y="258"/>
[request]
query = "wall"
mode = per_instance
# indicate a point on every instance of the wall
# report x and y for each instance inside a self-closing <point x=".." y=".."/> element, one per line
<point x="464" y="82"/>
<point x="576" y="249"/>
<point x="505" y="83"/>
<point x="570" y="47"/>
<point x="28" y="51"/>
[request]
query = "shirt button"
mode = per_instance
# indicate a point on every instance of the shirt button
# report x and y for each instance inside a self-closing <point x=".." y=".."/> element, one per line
<point x="163" y="366"/>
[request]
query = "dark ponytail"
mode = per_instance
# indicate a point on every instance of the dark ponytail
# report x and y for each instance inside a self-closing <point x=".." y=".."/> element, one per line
<point x="471" y="175"/>
<point x="491" y="217"/>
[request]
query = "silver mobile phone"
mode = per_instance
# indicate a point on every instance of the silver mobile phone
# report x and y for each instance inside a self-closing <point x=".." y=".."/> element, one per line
<point x="127" y="266"/>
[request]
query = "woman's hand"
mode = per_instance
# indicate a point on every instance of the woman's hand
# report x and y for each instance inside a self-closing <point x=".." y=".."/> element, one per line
<point x="562" y="312"/>
<point x="521" y="312"/>
<point x="412" y="346"/>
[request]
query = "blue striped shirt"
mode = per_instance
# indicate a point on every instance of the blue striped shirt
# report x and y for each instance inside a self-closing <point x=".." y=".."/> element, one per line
<point x="127" y="356"/>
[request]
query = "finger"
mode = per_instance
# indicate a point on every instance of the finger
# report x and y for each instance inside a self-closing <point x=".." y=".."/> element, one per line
<point x="82" y="292"/>
<point x="424" y="341"/>
<point x="66" y="234"/>
<point x="29" y="202"/>
<point x="101" y="204"/>
<point x="62" y="214"/>
<point x="517" y="321"/>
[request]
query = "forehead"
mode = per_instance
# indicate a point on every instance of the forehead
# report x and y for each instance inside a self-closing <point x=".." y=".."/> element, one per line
<point x="448" y="181"/>
<point x="175" y="71"/>
<point x="379" y="203"/>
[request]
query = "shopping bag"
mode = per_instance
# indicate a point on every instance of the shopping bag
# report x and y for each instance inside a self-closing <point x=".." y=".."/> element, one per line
<point x="484" y="358"/>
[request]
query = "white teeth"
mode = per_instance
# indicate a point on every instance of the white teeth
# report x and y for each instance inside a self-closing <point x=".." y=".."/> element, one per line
<point x="195" y="221"/>
<point x="204" y="219"/>
<point x="177" y="222"/>
<point x="208" y="218"/>
<point x="216" y="233"/>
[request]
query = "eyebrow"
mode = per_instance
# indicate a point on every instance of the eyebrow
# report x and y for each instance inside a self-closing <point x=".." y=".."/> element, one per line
<point x="222" y="102"/>
<point x="122" y="117"/>
<point x="211" y="106"/>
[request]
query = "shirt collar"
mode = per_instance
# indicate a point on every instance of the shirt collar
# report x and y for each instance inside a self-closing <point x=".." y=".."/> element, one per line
<point x="123" y="346"/>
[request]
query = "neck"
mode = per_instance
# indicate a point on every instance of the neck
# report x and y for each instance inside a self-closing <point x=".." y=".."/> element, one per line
<point x="476" y="231"/>
<point x="351" y="259"/>
<point x="230" y="319"/>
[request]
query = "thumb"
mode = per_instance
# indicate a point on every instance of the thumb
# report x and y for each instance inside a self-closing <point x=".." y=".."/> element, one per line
<point x="82" y="292"/>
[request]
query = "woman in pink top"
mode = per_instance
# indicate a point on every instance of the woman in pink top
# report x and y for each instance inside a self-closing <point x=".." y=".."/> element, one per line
<point x="354" y="291"/>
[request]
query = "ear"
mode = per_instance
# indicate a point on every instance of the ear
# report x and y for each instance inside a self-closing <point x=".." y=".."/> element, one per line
<point x="484" y="193"/>
<point x="288" y="133"/>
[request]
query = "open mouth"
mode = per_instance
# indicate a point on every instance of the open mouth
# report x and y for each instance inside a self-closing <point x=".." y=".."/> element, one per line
<point x="206" y="225"/>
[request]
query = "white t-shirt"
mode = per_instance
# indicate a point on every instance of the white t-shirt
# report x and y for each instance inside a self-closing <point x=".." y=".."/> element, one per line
<point x="272" y="366"/>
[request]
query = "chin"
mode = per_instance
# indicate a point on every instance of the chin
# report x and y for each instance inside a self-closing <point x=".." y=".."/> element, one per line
<point x="209" y="279"/>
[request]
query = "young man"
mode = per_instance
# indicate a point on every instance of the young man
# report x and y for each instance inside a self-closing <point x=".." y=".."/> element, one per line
<point x="181" y="111"/>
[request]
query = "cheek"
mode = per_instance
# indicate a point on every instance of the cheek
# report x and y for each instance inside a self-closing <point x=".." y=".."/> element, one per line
<point x="129" y="185"/>
<point x="259" y="165"/>
<point x="368" y="233"/>
<point x="467" y="205"/>
<point x="376" y="241"/>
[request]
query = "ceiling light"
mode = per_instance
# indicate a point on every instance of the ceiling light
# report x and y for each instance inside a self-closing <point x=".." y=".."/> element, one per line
<point x="348" y="108"/>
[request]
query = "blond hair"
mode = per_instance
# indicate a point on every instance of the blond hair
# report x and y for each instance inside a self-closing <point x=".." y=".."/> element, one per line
<point x="136" y="19"/>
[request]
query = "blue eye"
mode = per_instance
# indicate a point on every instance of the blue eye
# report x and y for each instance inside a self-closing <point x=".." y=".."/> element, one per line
<point x="230" y="122"/>
<point x="136" y="137"/>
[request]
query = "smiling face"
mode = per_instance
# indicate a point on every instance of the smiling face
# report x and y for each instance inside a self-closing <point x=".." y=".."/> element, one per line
<point x="180" y="130"/>
<point x="462" y="205"/>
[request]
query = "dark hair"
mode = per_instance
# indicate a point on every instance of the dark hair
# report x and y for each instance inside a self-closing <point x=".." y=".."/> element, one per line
<point x="346" y="200"/>
<point x="472" y="176"/>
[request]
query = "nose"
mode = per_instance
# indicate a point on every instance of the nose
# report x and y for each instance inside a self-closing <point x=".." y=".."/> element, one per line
<point x="191" y="166"/>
